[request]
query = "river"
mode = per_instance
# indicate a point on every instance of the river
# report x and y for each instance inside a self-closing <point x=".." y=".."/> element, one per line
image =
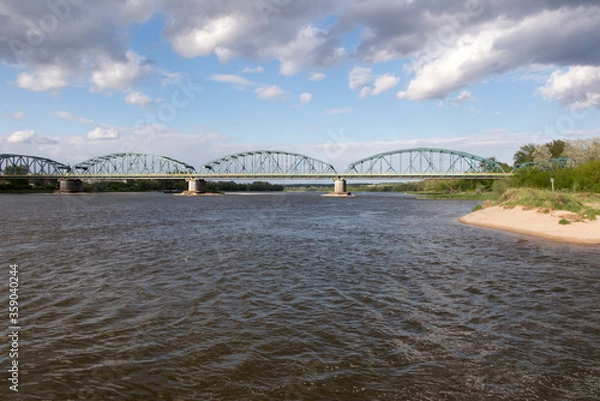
<point x="291" y="296"/>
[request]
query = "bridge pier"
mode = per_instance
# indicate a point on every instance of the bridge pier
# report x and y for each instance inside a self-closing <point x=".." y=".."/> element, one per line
<point x="340" y="188"/>
<point x="196" y="186"/>
<point x="70" y="185"/>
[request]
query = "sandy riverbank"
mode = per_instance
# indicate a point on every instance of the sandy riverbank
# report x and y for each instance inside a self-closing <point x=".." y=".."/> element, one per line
<point x="531" y="222"/>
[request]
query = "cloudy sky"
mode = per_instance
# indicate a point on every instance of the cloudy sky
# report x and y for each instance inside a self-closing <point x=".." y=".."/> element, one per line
<point x="336" y="80"/>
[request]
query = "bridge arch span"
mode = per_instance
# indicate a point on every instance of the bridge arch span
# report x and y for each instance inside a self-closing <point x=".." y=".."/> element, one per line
<point x="268" y="164"/>
<point x="123" y="164"/>
<point x="11" y="164"/>
<point x="425" y="162"/>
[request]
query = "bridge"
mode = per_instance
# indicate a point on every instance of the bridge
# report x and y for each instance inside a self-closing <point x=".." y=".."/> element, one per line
<point x="415" y="163"/>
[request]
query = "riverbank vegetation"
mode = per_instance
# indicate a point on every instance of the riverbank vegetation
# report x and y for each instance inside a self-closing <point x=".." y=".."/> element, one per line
<point x="584" y="205"/>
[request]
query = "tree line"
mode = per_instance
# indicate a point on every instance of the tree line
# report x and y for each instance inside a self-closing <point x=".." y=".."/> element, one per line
<point x="578" y="171"/>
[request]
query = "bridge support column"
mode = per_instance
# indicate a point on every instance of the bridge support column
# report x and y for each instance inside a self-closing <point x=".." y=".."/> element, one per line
<point x="340" y="188"/>
<point x="70" y="186"/>
<point x="196" y="186"/>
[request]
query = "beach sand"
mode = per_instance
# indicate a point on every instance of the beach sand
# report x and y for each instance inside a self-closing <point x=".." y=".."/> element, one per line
<point x="532" y="222"/>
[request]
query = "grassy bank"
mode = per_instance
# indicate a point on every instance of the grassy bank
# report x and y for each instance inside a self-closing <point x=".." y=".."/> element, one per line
<point x="585" y="205"/>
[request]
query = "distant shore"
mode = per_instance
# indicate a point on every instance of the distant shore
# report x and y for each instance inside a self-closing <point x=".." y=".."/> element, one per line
<point x="537" y="224"/>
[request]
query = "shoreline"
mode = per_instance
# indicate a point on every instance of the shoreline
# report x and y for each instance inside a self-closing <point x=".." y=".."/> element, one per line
<point x="537" y="224"/>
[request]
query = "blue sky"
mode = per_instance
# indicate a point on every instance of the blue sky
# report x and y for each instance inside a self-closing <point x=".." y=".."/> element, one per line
<point x="335" y="80"/>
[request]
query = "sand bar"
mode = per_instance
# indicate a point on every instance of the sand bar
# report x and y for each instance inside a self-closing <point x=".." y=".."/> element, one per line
<point x="532" y="222"/>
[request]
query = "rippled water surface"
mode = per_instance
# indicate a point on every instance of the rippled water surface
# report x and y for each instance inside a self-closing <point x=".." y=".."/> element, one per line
<point x="292" y="297"/>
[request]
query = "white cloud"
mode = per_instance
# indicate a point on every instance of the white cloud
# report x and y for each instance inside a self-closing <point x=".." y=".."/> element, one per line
<point x="103" y="133"/>
<point x="232" y="79"/>
<point x="316" y="76"/>
<point x="48" y="79"/>
<point x="22" y="137"/>
<point x="362" y="78"/>
<point x="138" y="98"/>
<point x="296" y="54"/>
<point x="253" y="30"/>
<point x="268" y="92"/>
<point x="255" y="70"/>
<point x="205" y="37"/>
<point x="384" y="83"/>
<point x="29" y="137"/>
<point x="578" y="87"/>
<point x="464" y="97"/>
<point x="305" y="97"/>
<point x="359" y="77"/>
<point x="119" y="75"/>
<point x="500" y="45"/>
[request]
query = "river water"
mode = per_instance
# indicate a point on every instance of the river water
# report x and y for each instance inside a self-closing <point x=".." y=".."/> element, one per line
<point x="292" y="297"/>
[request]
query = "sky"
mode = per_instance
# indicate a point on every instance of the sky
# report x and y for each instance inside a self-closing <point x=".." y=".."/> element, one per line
<point x="336" y="80"/>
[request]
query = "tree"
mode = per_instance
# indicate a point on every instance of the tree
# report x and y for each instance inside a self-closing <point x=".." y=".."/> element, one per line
<point x="524" y="154"/>
<point x="582" y="151"/>
<point x="556" y="148"/>
<point x="542" y="156"/>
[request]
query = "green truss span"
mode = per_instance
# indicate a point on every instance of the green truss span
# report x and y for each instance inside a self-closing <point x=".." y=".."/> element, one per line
<point x="424" y="162"/>
<point x="137" y="164"/>
<point x="21" y="165"/>
<point x="263" y="163"/>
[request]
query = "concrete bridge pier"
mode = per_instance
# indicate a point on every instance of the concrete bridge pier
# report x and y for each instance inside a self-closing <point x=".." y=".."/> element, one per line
<point x="196" y="186"/>
<point x="70" y="185"/>
<point x="340" y="188"/>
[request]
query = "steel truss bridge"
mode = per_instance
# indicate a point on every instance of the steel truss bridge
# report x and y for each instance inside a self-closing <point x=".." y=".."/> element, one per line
<point x="416" y="163"/>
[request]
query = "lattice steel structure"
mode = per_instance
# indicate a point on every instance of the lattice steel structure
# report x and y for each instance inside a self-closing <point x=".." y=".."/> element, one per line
<point x="268" y="164"/>
<point x="552" y="164"/>
<point x="425" y="163"/>
<point x="132" y="165"/>
<point x="21" y="166"/>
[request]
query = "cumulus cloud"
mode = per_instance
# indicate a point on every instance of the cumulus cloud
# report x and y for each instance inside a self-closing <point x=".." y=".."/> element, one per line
<point x="138" y="98"/>
<point x="502" y="44"/>
<point x="29" y="137"/>
<point x="269" y="92"/>
<point x="282" y="31"/>
<point x="50" y="79"/>
<point x="21" y="137"/>
<point x="305" y="97"/>
<point x="362" y="79"/>
<point x="297" y="54"/>
<point x="578" y="87"/>
<point x="120" y="74"/>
